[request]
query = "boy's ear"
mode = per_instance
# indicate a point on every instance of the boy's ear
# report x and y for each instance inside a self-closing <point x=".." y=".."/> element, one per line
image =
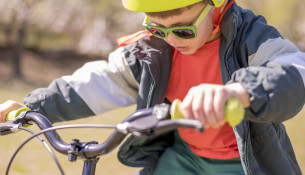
<point x="216" y="3"/>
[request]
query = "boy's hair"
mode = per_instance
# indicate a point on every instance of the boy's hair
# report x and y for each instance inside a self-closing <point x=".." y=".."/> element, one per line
<point x="170" y="13"/>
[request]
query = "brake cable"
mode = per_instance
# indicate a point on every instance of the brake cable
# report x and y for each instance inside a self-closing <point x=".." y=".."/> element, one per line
<point x="48" y="147"/>
<point x="45" y="144"/>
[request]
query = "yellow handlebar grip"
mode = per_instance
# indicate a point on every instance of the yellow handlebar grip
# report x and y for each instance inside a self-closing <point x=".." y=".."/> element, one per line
<point x="176" y="112"/>
<point x="13" y="114"/>
<point x="234" y="111"/>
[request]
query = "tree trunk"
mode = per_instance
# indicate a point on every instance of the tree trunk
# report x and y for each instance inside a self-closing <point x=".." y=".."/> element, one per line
<point x="21" y="33"/>
<point x="19" y="49"/>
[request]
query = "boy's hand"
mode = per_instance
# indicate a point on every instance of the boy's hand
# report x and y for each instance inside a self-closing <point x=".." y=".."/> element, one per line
<point x="8" y="106"/>
<point x="206" y="102"/>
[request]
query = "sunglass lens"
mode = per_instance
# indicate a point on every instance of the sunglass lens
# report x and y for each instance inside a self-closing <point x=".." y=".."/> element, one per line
<point x="184" y="33"/>
<point x="156" y="32"/>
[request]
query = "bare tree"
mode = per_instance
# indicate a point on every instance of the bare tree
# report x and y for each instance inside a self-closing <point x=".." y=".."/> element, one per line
<point x="26" y="6"/>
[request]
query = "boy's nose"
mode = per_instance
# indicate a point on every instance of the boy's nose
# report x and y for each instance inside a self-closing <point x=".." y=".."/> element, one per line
<point x="171" y="39"/>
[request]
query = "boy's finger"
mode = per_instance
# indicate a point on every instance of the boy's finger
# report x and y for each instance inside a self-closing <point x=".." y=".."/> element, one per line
<point x="186" y="106"/>
<point x="8" y="106"/>
<point x="219" y="105"/>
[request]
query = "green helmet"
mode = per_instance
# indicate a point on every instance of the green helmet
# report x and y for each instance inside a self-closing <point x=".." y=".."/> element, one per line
<point x="163" y="5"/>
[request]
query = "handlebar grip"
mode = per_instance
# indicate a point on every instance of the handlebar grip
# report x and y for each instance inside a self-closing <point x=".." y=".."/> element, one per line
<point x="234" y="111"/>
<point x="175" y="110"/>
<point x="13" y="114"/>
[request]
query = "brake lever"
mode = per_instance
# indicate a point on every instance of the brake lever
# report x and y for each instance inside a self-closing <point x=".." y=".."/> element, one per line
<point x="5" y="128"/>
<point x="170" y="125"/>
<point x="144" y="125"/>
<point x="157" y="123"/>
<point x="140" y="127"/>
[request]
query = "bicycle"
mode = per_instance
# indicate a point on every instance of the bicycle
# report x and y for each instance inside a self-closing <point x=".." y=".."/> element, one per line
<point x="148" y="122"/>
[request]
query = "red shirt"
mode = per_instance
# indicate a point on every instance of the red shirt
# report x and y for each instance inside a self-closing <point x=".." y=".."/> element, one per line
<point x="191" y="70"/>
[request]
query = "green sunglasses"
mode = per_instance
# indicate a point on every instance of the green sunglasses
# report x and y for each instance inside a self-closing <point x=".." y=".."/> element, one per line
<point x="182" y="32"/>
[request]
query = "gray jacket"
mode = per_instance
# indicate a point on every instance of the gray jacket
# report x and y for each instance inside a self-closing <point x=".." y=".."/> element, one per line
<point x="251" y="52"/>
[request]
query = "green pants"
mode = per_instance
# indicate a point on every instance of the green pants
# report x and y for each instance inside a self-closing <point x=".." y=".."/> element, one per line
<point x="180" y="160"/>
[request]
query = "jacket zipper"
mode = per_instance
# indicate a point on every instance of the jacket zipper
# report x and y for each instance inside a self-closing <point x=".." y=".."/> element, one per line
<point x="245" y="150"/>
<point x="150" y="95"/>
<point x="245" y="157"/>
<point x="151" y="90"/>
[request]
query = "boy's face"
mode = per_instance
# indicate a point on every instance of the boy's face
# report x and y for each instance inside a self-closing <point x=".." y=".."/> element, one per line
<point x="188" y="17"/>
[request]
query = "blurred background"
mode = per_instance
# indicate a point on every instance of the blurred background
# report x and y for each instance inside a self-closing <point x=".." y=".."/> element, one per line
<point x="44" y="39"/>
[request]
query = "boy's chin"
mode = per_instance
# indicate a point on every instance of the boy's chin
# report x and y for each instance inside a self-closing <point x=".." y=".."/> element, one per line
<point x="189" y="52"/>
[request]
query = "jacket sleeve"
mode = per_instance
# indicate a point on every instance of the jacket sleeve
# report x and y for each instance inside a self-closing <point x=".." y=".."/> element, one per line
<point x="276" y="89"/>
<point x="275" y="79"/>
<point x="95" y="88"/>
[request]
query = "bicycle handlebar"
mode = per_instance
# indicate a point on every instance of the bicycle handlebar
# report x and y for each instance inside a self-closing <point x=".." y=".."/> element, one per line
<point x="142" y="123"/>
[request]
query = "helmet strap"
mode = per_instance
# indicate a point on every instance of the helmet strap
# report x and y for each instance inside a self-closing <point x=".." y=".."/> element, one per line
<point x="210" y="2"/>
<point x="218" y="15"/>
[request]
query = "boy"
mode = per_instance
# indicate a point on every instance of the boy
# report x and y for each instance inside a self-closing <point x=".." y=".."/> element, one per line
<point x="209" y="51"/>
